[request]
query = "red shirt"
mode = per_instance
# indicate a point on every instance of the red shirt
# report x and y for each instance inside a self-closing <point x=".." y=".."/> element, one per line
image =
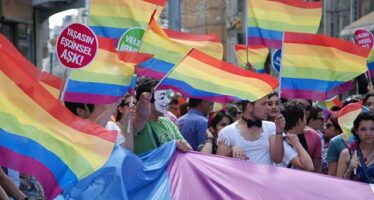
<point x="314" y="143"/>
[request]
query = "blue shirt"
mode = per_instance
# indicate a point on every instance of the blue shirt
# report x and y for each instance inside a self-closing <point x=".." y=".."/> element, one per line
<point x="193" y="126"/>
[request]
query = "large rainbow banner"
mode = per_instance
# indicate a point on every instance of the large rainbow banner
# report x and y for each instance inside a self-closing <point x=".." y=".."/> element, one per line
<point x="40" y="137"/>
<point x="165" y="173"/>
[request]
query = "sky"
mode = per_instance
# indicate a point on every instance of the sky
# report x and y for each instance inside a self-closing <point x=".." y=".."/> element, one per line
<point x="56" y="19"/>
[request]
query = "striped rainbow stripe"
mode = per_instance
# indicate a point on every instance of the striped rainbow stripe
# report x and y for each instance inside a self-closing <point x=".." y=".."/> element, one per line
<point x="103" y="81"/>
<point x="346" y="117"/>
<point x="199" y="75"/>
<point x="315" y="66"/>
<point x="328" y="104"/>
<point x="110" y="19"/>
<point x="169" y="47"/>
<point x="40" y="137"/>
<point x="256" y="55"/>
<point x="371" y="63"/>
<point x="49" y="81"/>
<point x="268" y="19"/>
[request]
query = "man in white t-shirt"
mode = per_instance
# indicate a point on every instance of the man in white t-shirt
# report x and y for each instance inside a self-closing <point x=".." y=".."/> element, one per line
<point x="251" y="137"/>
<point x="295" y="156"/>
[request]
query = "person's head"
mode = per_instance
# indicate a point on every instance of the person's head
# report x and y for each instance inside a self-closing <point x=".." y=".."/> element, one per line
<point x="233" y="111"/>
<point x="331" y="128"/>
<point x="174" y="106"/>
<point x="80" y="109"/>
<point x="123" y="107"/>
<point x="307" y="104"/>
<point x="159" y="101"/>
<point x="257" y="110"/>
<point x="363" y="127"/>
<point x="203" y="106"/>
<point x="369" y="101"/>
<point x="315" y="119"/>
<point x="274" y="104"/>
<point x="218" y="120"/>
<point x="294" y="115"/>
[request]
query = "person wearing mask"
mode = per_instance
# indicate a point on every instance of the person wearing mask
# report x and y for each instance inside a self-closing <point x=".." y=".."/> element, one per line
<point x="152" y="129"/>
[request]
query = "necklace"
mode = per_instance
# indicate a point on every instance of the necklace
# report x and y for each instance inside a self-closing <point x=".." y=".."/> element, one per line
<point x="369" y="156"/>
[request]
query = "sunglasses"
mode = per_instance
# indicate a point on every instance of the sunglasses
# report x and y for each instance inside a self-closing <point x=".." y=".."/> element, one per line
<point x="328" y="125"/>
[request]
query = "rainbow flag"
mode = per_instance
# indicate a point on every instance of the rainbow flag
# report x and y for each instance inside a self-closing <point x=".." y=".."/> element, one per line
<point x="49" y="81"/>
<point x="111" y="19"/>
<point x="268" y="19"/>
<point x="319" y="67"/>
<point x="159" y="4"/>
<point x="40" y="137"/>
<point x="346" y="117"/>
<point x="255" y="55"/>
<point x="104" y="80"/>
<point x="371" y="63"/>
<point x="169" y="47"/>
<point x="328" y="104"/>
<point x="167" y="174"/>
<point x="199" y="75"/>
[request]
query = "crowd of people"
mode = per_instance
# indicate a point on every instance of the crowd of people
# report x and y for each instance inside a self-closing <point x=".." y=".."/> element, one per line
<point x="292" y="133"/>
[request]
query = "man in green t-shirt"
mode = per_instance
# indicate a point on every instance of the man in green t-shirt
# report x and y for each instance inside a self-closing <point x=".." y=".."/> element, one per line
<point x="151" y="128"/>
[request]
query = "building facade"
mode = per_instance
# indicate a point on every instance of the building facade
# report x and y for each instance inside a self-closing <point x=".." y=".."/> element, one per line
<point x="25" y="24"/>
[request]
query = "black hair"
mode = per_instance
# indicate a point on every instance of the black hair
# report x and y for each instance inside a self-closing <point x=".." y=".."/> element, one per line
<point x="335" y="108"/>
<point x="293" y="112"/>
<point x="232" y="109"/>
<point x="273" y="94"/>
<point x="73" y="106"/>
<point x="174" y="100"/>
<point x="314" y="113"/>
<point x="145" y="85"/>
<point x="335" y="123"/>
<point x="367" y="96"/>
<point x="123" y="103"/>
<point x="218" y="116"/>
<point x="363" y="116"/>
<point x="193" y="103"/>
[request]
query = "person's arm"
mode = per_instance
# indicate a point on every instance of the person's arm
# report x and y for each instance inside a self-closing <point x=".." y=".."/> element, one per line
<point x="317" y="155"/>
<point x="224" y="150"/>
<point x="10" y="188"/>
<point x="332" y="159"/>
<point x="346" y="165"/>
<point x="182" y="144"/>
<point x="3" y="194"/>
<point x="276" y="141"/>
<point x="129" y="132"/>
<point x="143" y="111"/>
<point x="302" y="161"/>
<point x="208" y="146"/>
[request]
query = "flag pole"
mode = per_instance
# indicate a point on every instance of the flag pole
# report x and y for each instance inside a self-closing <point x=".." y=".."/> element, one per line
<point x="172" y="69"/>
<point x="64" y="84"/>
<point x="281" y="69"/>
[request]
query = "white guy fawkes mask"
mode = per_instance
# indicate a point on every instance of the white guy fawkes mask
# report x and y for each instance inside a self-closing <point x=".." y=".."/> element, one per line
<point x="161" y="101"/>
